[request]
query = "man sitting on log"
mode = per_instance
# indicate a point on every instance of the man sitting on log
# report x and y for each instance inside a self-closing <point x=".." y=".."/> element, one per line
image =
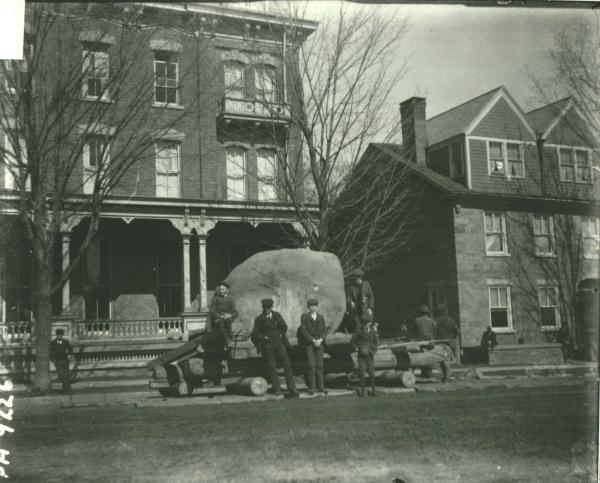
<point x="222" y="314"/>
<point x="217" y="341"/>
<point x="426" y="328"/>
<point x="360" y="301"/>
<point x="269" y="337"/>
<point x="312" y="335"/>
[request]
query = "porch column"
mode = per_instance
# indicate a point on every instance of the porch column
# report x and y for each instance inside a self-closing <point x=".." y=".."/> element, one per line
<point x="66" y="290"/>
<point x="187" y="299"/>
<point x="203" y="302"/>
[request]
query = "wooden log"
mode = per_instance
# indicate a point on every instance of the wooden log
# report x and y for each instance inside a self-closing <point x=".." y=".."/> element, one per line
<point x="250" y="386"/>
<point x="395" y="378"/>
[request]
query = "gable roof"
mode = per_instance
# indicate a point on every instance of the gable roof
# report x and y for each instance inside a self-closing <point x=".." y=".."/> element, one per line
<point x="456" y="120"/>
<point x="543" y="119"/>
<point x="465" y="117"/>
<point x="438" y="180"/>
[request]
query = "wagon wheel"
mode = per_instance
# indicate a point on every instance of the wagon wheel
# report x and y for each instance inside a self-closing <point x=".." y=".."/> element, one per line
<point x="408" y="378"/>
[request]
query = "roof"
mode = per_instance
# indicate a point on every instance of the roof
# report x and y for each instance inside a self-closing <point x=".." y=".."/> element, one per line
<point x="456" y="120"/>
<point x="541" y="118"/>
<point x="438" y="180"/>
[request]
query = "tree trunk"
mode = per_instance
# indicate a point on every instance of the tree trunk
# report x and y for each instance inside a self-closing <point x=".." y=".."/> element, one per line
<point x="43" y="331"/>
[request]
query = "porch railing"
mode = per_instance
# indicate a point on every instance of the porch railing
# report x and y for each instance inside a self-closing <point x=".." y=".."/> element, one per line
<point x="129" y="328"/>
<point x="15" y="332"/>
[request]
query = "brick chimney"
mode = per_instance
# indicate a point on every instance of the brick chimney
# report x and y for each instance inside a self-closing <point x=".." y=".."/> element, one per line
<point x="414" y="131"/>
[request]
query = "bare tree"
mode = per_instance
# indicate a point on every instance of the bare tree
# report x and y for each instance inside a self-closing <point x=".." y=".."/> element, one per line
<point x="341" y="81"/>
<point x="74" y="125"/>
<point x="556" y="248"/>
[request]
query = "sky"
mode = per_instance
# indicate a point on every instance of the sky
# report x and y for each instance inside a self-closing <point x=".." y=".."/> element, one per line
<point x="458" y="52"/>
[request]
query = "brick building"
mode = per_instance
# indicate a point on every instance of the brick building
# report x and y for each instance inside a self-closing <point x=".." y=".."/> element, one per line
<point x="509" y="227"/>
<point x="208" y="194"/>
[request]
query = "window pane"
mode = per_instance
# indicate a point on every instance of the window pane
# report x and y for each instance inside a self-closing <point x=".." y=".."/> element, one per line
<point x="499" y="318"/>
<point x="494" y="297"/>
<point x="503" y="297"/>
<point x="489" y="222"/>
<point x="548" y="316"/>
<point x="566" y="157"/>
<point x="513" y="152"/>
<point x="266" y="164"/>
<point x="495" y="150"/>
<point x="494" y="243"/>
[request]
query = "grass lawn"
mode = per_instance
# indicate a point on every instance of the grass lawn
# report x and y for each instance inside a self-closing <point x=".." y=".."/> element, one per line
<point x="493" y="435"/>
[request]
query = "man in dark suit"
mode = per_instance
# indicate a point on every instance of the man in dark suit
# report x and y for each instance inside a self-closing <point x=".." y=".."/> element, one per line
<point x="426" y="329"/>
<point x="365" y="341"/>
<point x="360" y="300"/>
<point x="269" y="337"/>
<point x="60" y="353"/>
<point x="312" y="338"/>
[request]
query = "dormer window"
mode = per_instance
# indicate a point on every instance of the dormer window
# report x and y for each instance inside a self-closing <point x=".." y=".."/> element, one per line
<point x="457" y="164"/>
<point x="575" y="165"/>
<point x="505" y="159"/>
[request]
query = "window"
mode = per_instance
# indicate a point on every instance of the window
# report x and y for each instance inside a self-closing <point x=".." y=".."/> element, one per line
<point x="549" y="311"/>
<point x="514" y="156"/>
<point x="505" y="159"/>
<point x="95" y="71"/>
<point x="436" y="295"/>
<point x="236" y="173"/>
<point x="167" y="169"/>
<point x="234" y="80"/>
<point x="495" y="233"/>
<point x="543" y="234"/>
<point x="496" y="157"/>
<point x="95" y="161"/>
<point x="500" y="308"/>
<point x="166" y="78"/>
<point x="575" y="165"/>
<point x="267" y="175"/>
<point x="456" y="160"/>
<point x="591" y="237"/>
<point x="12" y="156"/>
<point x="264" y="80"/>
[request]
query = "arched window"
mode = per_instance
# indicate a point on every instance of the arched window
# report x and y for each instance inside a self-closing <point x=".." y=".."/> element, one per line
<point x="234" y="79"/>
<point x="267" y="175"/>
<point x="264" y="81"/>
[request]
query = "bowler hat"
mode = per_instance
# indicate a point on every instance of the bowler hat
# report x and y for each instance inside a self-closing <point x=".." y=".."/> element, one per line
<point x="357" y="272"/>
<point x="312" y="302"/>
<point x="224" y="284"/>
<point x="60" y="332"/>
<point x="267" y="303"/>
<point x="424" y="309"/>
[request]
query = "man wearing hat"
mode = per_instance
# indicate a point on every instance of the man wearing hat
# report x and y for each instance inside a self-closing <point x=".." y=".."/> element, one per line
<point x="222" y="313"/>
<point x="217" y="340"/>
<point x="60" y="352"/>
<point x="269" y="337"/>
<point x="425" y="328"/>
<point x="446" y="330"/>
<point x="360" y="300"/>
<point x="312" y="335"/>
<point x="365" y="341"/>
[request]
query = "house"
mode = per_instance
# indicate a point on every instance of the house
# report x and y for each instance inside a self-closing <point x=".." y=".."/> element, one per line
<point x="510" y="223"/>
<point x="206" y="197"/>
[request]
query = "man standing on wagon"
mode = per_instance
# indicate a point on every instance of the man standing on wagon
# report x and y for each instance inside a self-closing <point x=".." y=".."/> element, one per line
<point x="360" y="300"/>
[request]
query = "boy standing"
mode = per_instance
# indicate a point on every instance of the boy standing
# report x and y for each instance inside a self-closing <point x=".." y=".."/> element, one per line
<point x="365" y="341"/>
<point x="60" y="352"/>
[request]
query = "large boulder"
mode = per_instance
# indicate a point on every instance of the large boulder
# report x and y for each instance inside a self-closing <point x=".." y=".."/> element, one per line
<point x="290" y="277"/>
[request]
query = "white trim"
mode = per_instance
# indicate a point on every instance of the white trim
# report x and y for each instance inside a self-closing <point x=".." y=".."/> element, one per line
<point x="558" y="324"/>
<point x="574" y="150"/>
<point x="556" y="120"/>
<point x="504" y="234"/>
<point x="505" y="144"/>
<point x="551" y="235"/>
<point x="510" y="327"/>
<point x="502" y="140"/>
<point x="491" y="103"/>
<point x="234" y="13"/>
<point x="468" y="159"/>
